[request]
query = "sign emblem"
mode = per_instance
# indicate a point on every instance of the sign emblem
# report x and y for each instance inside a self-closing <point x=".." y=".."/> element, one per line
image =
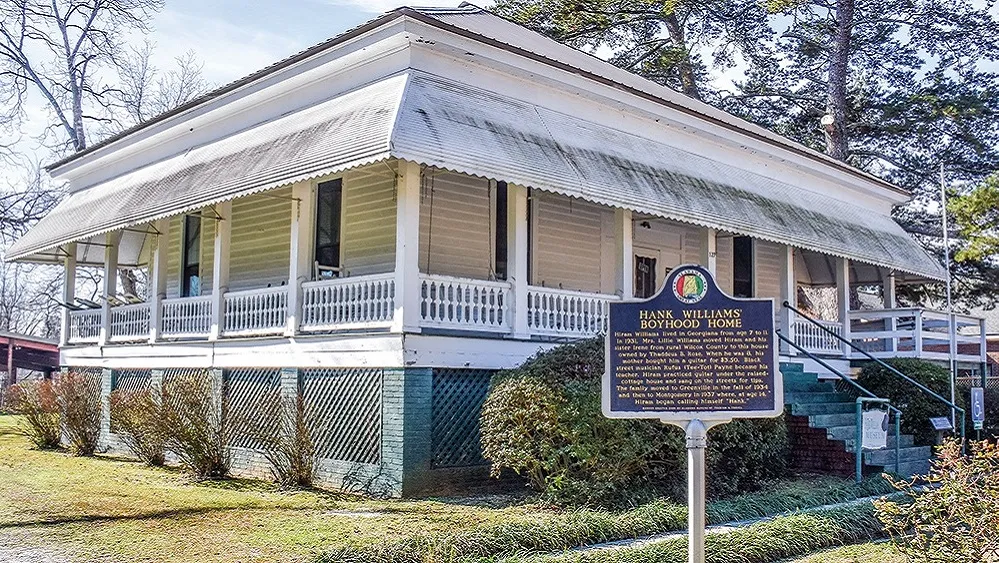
<point x="690" y="286"/>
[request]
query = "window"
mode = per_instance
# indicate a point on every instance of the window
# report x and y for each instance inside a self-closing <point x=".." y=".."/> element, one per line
<point x="191" y="280"/>
<point x="645" y="276"/>
<point x="329" y="202"/>
<point x="742" y="267"/>
<point x="500" y="248"/>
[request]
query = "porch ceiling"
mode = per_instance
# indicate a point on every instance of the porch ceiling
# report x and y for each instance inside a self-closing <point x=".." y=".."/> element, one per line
<point x="442" y="123"/>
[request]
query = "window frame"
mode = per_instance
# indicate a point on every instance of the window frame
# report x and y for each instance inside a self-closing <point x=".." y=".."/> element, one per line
<point x="185" y="289"/>
<point x="314" y="240"/>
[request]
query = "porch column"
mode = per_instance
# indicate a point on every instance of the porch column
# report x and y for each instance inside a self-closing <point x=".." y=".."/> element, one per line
<point x="516" y="229"/>
<point x="624" y="253"/>
<point x="68" y="290"/>
<point x="709" y="250"/>
<point x="789" y="293"/>
<point x="888" y="289"/>
<point x="111" y="241"/>
<point x="300" y="263"/>
<point x="158" y="277"/>
<point x="843" y="299"/>
<point x="220" y="267"/>
<point x="407" y="249"/>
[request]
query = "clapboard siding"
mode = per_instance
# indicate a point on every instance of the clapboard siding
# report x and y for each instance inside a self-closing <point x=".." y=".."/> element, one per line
<point x="369" y="221"/>
<point x="173" y="256"/>
<point x="261" y="240"/>
<point x="665" y="241"/>
<point x="207" y="263"/>
<point x="724" y="271"/>
<point x="568" y="241"/>
<point x="174" y="250"/>
<point x="456" y="230"/>
<point x="693" y="239"/>
<point x="767" y="264"/>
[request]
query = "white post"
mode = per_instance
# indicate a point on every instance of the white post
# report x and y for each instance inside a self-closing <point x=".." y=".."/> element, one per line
<point x="300" y="262"/>
<point x="843" y="299"/>
<point x="890" y="302"/>
<point x="158" y="277"/>
<point x="709" y="250"/>
<point x="697" y="443"/>
<point x="220" y="267"/>
<point x="407" y="249"/>
<point x="111" y="241"/>
<point x="68" y="290"/>
<point x="516" y="229"/>
<point x="625" y="253"/>
<point x="788" y="293"/>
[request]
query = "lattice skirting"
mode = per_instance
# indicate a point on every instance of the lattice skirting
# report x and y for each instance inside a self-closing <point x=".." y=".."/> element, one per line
<point x="130" y="381"/>
<point x="252" y="405"/>
<point x="458" y="395"/>
<point x="343" y="410"/>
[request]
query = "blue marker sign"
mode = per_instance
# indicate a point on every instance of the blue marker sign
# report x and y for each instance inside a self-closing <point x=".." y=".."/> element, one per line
<point x="978" y="407"/>
<point x="692" y="352"/>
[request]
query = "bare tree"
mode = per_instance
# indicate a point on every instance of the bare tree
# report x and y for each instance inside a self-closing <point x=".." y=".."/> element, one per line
<point x="145" y="91"/>
<point x="59" y="49"/>
<point x="25" y="201"/>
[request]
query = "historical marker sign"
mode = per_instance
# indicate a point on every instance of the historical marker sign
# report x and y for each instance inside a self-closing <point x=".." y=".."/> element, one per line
<point x="692" y="352"/>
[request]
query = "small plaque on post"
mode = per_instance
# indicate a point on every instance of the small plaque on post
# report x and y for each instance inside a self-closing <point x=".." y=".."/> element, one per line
<point x="941" y="423"/>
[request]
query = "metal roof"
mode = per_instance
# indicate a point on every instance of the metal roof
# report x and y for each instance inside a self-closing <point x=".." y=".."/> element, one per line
<point x="443" y="123"/>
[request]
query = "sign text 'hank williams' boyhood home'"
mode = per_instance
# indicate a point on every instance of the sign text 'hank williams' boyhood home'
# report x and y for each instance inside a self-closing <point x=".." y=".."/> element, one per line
<point x="383" y="220"/>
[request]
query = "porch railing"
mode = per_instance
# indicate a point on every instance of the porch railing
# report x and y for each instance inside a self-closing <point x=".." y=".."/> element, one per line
<point x="186" y="317"/>
<point x="560" y="312"/>
<point x="130" y="322"/>
<point x="85" y="326"/>
<point x="815" y="340"/>
<point x="348" y="303"/>
<point x="255" y="312"/>
<point x="459" y="303"/>
<point x="917" y="333"/>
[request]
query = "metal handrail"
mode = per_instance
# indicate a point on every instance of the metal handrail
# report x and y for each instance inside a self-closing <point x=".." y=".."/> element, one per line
<point x="869" y="396"/>
<point x="917" y="384"/>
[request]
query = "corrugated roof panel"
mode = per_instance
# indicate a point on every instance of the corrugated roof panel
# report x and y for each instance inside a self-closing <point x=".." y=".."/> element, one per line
<point x="343" y="132"/>
<point x="474" y="131"/>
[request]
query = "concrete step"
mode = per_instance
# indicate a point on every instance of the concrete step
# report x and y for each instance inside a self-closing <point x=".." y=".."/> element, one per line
<point x="910" y="468"/>
<point x="904" y="440"/>
<point x="886" y="456"/>
<point x="805" y="409"/>
<point x="808" y="387"/>
<point x="831" y="420"/>
<point x="791" y="367"/>
<point x="842" y="433"/>
<point x="809" y="397"/>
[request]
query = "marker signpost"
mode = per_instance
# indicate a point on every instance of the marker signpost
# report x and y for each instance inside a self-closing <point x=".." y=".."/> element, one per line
<point x="694" y="357"/>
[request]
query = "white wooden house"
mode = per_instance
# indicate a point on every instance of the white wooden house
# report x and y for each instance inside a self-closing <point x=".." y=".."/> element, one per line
<point x="389" y="216"/>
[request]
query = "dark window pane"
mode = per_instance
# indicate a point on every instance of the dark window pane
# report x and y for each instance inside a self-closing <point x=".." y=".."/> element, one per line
<point x="191" y="280"/>
<point x="329" y="202"/>
<point x="501" y="231"/>
<point x="645" y="277"/>
<point x="742" y="266"/>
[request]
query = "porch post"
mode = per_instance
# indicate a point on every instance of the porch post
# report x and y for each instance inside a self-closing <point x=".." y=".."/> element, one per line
<point x="789" y="293"/>
<point x="625" y="253"/>
<point x="516" y="229"/>
<point x="158" y="277"/>
<point x="111" y="241"/>
<point x="407" y="249"/>
<point x="68" y="290"/>
<point x="843" y="299"/>
<point x="888" y="289"/>
<point x="709" y="250"/>
<point x="300" y="262"/>
<point x="220" y="267"/>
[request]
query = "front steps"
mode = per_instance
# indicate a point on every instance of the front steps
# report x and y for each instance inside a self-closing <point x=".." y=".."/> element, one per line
<point x="823" y="430"/>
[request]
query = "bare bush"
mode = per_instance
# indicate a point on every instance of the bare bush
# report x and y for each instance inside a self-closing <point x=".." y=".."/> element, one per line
<point x="135" y="418"/>
<point x="80" y="402"/>
<point x="280" y="429"/>
<point x="36" y="403"/>
<point x="194" y="427"/>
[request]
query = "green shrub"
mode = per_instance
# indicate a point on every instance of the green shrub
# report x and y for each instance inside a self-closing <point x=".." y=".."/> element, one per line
<point x="543" y="420"/>
<point x="135" y="417"/>
<point x="917" y="407"/>
<point x="194" y="426"/>
<point x="79" y="397"/>
<point x="955" y="520"/>
<point x="38" y="407"/>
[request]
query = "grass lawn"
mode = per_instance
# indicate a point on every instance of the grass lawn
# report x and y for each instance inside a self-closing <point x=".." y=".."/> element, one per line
<point x="91" y="509"/>
<point x="861" y="553"/>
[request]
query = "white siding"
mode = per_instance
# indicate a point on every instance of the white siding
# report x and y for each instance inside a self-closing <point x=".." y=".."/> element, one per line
<point x="456" y="230"/>
<point x="207" y="263"/>
<point x="568" y="237"/>
<point x="174" y="250"/>
<point x="724" y="260"/>
<point x="261" y="241"/>
<point x="663" y="240"/>
<point x="369" y="209"/>
<point x="767" y="269"/>
<point x="173" y="257"/>
<point x="693" y="238"/>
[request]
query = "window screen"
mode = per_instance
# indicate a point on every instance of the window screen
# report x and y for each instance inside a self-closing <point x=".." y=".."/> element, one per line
<point x="191" y="285"/>
<point x="742" y="267"/>
<point x="329" y="202"/>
